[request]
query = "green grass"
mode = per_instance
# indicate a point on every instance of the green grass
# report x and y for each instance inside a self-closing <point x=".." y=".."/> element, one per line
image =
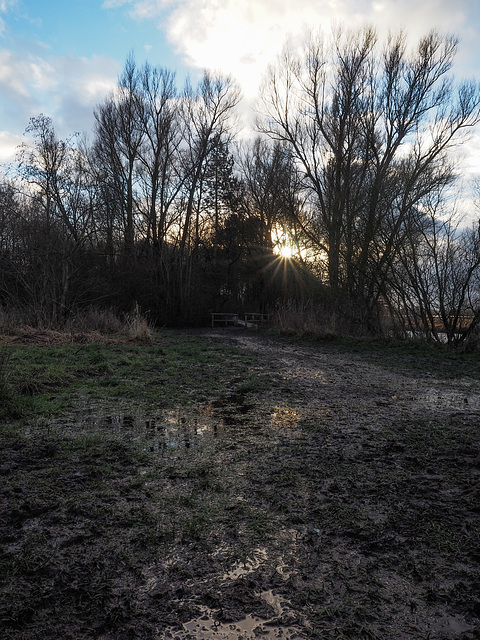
<point x="177" y="369"/>
<point x="416" y="356"/>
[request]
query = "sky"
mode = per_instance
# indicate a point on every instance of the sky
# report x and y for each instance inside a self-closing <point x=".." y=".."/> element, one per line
<point x="62" y="57"/>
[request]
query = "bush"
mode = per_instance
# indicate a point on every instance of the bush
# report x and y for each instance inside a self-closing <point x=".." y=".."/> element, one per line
<point x="10" y="320"/>
<point x="293" y="317"/>
<point x="137" y="326"/>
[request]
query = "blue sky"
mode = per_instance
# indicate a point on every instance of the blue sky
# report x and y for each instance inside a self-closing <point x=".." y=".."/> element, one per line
<point x="62" y="57"/>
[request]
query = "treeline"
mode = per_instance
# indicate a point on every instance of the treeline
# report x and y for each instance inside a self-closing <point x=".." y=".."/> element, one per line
<point x="155" y="211"/>
<point x="350" y="177"/>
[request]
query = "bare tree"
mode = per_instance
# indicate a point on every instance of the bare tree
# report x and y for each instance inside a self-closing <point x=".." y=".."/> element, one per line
<point x="54" y="171"/>
<point x="56" y="216"/>
<point x="434" y="279"/>
<point x="119" y="135"/>
<point x="208" y="117"/>
<point x="370" y="132"/>
<point x="159" y="155"/>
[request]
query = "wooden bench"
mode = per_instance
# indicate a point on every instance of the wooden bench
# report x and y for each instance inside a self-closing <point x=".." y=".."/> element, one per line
<point x="224" y="319"/>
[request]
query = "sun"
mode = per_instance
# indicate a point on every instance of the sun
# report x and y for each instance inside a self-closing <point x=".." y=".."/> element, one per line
<point x="285" y="251"/>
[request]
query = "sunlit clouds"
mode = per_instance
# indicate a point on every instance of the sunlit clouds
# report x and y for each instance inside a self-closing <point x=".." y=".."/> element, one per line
<point x="58" y="60"/>
<point x="238" y="38"/>
<point x="241" y="37"/>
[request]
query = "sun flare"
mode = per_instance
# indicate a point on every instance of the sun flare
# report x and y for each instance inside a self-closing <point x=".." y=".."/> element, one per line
<point x="286" y="251"/>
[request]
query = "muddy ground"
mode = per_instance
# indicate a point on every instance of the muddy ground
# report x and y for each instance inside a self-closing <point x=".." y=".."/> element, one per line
<point x="338" y="499"/>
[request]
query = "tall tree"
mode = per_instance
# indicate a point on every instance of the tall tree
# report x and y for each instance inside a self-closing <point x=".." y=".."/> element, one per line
<point x="371" y="131"/>
<point x="119" y="135"/>
<point x="208" y="117"/>
<point x="159" y="155"/>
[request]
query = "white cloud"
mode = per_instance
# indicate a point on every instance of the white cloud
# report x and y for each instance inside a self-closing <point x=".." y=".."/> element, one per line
<point x="67" y="89"/>
<point x="42" y="74"/>
<point x="238" y="38"/>
<point x="470" y="155"/>
<point x="82" y="84"/>
<point x="13" y="71"/>
<point x="8" y="145"/>
<point x="241" y="37"/>
<point x="20" y="76"/>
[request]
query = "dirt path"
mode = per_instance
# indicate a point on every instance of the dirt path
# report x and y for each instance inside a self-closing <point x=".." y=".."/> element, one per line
<point x="371" y="477"/>
<point x="358" y="390"/>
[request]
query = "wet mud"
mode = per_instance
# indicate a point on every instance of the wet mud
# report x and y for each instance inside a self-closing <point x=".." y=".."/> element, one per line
<point x="341" y="500"/>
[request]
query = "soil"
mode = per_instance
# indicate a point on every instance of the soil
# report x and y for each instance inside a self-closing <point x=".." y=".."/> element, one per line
<point x="340" y="500"/>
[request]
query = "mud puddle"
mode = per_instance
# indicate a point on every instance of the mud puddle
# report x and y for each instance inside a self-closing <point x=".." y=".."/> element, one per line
<point x="163" y="431"/>
<point x="251" y="627"/>
<point x="273" y="623"/>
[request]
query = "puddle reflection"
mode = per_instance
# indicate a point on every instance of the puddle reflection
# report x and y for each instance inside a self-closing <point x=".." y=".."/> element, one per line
<point x="207" y="628"/>
<point x="285" y="417"/>
<point x="164" y="431"/>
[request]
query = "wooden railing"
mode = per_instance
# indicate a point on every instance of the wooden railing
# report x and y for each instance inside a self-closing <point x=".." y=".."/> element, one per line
<point x="224" y="319"/>
<point x="248" y="320"/>
<point x="257" y="319"/>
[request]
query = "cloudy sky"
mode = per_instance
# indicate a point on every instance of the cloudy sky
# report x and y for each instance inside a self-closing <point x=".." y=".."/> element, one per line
<point x="61" y="57"/>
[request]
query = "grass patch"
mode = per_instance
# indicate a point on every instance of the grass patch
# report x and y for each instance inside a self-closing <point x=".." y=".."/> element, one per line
<point x="176" y="369"/>
<point x="417" y="356"/>
<point x="400" y="355"/>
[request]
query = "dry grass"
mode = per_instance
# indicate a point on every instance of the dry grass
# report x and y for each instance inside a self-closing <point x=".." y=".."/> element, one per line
<point x="94" y="319"/>
<point x="294" y="318"/>
<point x="137" y="326"/>
<point x="88" y="325"/>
